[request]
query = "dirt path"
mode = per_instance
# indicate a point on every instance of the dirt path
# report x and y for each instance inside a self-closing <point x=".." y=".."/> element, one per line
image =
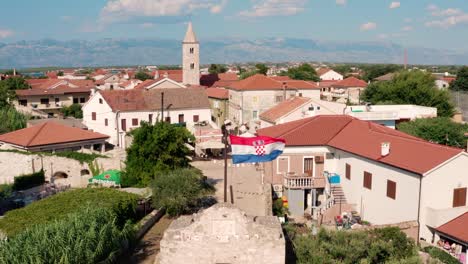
<point x="148" y="248"/>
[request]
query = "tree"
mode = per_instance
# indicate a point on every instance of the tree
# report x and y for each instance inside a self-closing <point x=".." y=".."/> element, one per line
<point x="60" y="73"/>
<point x="342" y="69"/>
<point x="73" y="110"/>
<point x="156" y="148"/>
<point x="303" y="72"/>
<point x="440" y="130"/>
<point x="11" y="120"/>
<point x="178" y="190"/>
<point x="261" y="68"/>
<point x="461" y="82"/>
<point x="217" y="68"/>
<point x="143" y="76"/>
<point x="414" y="87"/>
<point x="373" y="71"/>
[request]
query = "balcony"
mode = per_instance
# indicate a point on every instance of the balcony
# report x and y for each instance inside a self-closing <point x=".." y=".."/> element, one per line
<point x="295" y="181"/>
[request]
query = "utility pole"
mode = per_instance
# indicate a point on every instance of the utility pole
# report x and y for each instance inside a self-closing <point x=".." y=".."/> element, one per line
<point x="225" y="130"/>
<point x="162" y="106"/>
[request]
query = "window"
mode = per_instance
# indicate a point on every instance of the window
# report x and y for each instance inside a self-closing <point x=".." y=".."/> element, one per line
<point x="168" y="119"/>
<point x="106" y="122"/>
<point x="181" y="118"/>
<point x="195" y="118"/>
<point x="282" y="165"/>
<point x="23" y="102"/>
<point x="123" y="124"/>
<point x="82" y="100"/>
<point x="192" y="66"/>
<point x="100" y="100"/>
<point x="255" y="114"/>
<point x="75" y="100"/>
<point x="348" y="171"/>
<point x="459" y="197"/>
<point x="278" y="99"/>
<point x="57" y="100"/>
<point x="368" y="180"/>
<point x="150" y="118"/>
<point x="93" y="115"/>
<point x="135" y="122"/>
<point x="45" y="101"/>
<point x="391" y="189"/>
<point x="300" y="94"/>
<point x="309" y="166"/>
<point x="112" y="87"/>
<point x="191" y="50"/>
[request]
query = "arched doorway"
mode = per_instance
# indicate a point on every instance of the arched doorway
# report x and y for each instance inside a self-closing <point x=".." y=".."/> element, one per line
<point x="84" y="172"/>
<point x="60" y="175"/>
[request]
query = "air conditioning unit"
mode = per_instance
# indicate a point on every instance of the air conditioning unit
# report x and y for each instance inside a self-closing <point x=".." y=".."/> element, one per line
<point x="277" y="188"/>
<point x="318" y="159"/>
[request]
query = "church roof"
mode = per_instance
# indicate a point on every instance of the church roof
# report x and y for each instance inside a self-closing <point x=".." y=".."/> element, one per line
<point x="190" y="35"/>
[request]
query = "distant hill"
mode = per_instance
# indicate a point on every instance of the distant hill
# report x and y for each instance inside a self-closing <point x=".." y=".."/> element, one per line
<point x="75" y="53"/>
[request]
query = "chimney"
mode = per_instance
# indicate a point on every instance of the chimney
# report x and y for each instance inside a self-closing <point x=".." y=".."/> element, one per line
<point x="385" y="149"/>
<point x="14" y="71"/>
<point x="93" y="91"/>
<point x="166" y="75"/>
<point x="285" y="86"/>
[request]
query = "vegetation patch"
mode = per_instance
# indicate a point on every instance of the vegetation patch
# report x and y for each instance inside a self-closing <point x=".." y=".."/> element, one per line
<point x="27" y="181"/>
<point x="57" y="207"/>
<point x="441" y="255"/>
<point x="91" y="235"/>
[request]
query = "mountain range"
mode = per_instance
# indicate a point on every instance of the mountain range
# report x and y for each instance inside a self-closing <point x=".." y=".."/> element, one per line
<point x="81" y="53"/>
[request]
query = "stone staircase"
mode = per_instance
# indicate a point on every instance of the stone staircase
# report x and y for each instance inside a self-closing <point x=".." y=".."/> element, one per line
<point x="338" y="194"/>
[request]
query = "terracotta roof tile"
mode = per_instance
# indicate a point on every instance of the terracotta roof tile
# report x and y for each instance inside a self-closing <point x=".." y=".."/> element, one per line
<point x="299" y="84"/>
<point x="322" y="71"/>
<point x="456" y="228"/>
<point x="61" y="89"/>
<point x="48" y="133"/>
<point x="280" y="78"/>
<point x="218" y="93"/>
<point x="351" y="82"/>
<point x="262" y="82"/>
<point x="218" y="80"/>
<point x="141" y="99"/>
<point x="145" y="84"/>
<point x="364" y="138"/>
<point x="283" y="108"/>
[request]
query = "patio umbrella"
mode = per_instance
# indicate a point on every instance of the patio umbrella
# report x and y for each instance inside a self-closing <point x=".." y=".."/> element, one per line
<point x="110" y="177"/>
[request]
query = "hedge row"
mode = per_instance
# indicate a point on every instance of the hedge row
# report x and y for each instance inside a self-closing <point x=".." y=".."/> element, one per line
<point x="27" y="181"/>
<point x="87" y="236"/>
<point x="441" y="255"/>
<point x="57" y="207"/>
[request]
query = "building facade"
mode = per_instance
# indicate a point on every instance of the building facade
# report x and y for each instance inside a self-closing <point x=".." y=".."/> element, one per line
<point x="191" y="58"/>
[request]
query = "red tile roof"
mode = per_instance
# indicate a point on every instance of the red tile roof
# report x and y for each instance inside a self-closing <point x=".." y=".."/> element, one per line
<point x="262" y="82"/>
<point x="81" y="83"/>
<point x="219" y="93"/>
<point x="283" y="108"/>
<point x="302" y="85"/>
<point x="141" y="99"/>
<point x="280" y="78"/>
<point x="48" y="133"/>
<point x="456" y="228"/>
<point x="44" y="83"/>
<point x="61" y="89"/>
<point x="145" y="84"/>
<point x="350" y="82"/>
<point x="322" y="71"/>
<point x="218" y="80"/>
<point x="364" y="138"/>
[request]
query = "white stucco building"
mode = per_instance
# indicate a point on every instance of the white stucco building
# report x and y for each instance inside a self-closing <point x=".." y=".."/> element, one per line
<point x="326" y="74"/>
<point x="114" y="113"/>
<point x="387" y="176"/>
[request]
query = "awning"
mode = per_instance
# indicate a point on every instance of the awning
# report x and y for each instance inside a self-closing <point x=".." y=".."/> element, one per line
<point x="111" y="177"/>
<point x="211" y="144"/>
<point x="190" y="147"/>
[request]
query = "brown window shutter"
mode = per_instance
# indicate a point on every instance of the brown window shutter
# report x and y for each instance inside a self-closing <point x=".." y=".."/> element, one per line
<point x="135" y="122"/>
<point x="459" y="197"/>
<point x="348" y="171"/>
<point x="391" y="189"/>
<point x="368" y="180"/>
<point x="318" y="159"/>
<point x="93" y="115"/>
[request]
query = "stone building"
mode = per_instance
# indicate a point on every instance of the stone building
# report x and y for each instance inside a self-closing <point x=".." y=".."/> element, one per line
<point x="223" y="234"/>
<point x="191" y="58"/>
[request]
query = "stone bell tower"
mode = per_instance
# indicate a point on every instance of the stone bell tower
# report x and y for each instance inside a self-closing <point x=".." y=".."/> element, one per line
<point x="191" y="58"/>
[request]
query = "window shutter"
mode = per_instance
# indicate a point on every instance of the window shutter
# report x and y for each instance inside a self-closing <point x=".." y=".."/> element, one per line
<point x="459" y="197"/>
<point x="368" y="180"/>
<point x="391" y="189"/>
<point x="348" y="171"/>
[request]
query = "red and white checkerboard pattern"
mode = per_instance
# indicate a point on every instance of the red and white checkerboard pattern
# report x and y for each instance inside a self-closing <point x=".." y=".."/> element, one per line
<point x="260" y="150"/>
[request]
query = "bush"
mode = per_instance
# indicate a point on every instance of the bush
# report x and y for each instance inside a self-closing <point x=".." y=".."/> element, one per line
<point x="24" y="182"/>
<point x="11" y="120"/>
<point x="278" y="208"/>
<point x="73" y="110"/>
<point x="5" y="191"/>
<point x="87" y="236"/>
<point x="441" y="255"/>
<point x="81" y="157"/>
<point x="375" y="246"/>
<point x="59" y="206"/>
<point x="179" y="190"/>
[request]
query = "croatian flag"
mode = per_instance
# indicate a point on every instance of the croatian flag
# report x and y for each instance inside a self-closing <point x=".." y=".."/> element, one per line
<point x="255" y="149"/>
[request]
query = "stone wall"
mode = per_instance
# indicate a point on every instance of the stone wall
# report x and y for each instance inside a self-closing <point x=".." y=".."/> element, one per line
<point x="15" y="164"/>
<point x="223" y="234"/>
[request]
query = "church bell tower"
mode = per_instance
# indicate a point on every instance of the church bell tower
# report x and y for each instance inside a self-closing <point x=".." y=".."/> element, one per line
<point x="191" y="58"/>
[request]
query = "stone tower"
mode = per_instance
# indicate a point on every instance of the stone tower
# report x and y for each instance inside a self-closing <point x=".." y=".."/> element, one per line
<point x="191" y="58"/>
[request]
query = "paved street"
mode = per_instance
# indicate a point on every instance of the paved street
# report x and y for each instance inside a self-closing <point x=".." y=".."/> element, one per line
<point x="249" y="193"/>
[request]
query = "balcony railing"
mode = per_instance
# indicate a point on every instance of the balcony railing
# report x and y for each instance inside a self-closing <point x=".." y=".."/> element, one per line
<point x="294" y="181"/>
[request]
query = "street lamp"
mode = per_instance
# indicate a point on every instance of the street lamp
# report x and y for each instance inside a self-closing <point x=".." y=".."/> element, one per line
<point x="225" y="129"/>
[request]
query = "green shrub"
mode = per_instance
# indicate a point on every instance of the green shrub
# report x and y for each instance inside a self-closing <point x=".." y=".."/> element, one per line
<point x="278" y="208"/>
<point x="73" y="110"/>
<point x="375" y="246"/>
<point x="441" y="255"/>
<point x="27" y="181"/>
<point x="88" y="236"/>
<point x="81" y="157"/>
<point x="11" y="119"/>
<point x="5" y="191"/>
<point x="59" y="206"/>
<point x="178" y="190"/>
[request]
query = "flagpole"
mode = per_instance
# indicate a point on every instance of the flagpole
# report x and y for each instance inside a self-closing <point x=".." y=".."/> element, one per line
<point x="225" y="139"/>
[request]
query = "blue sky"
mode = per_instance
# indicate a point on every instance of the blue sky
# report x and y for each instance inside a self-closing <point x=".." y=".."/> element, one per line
<point x="427" y="23"/>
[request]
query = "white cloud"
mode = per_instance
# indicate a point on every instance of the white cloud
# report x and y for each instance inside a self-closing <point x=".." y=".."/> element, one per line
<point x="341" y="2"/>
<point x="116" y="10"/>
<point x="5" y="33"/>
<point x="446" y="17"/>
<point x="394" y="5"/>
<point x="263" y="8"/>
<point x="407" y="28"/>
<point x="368" y="26"/>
